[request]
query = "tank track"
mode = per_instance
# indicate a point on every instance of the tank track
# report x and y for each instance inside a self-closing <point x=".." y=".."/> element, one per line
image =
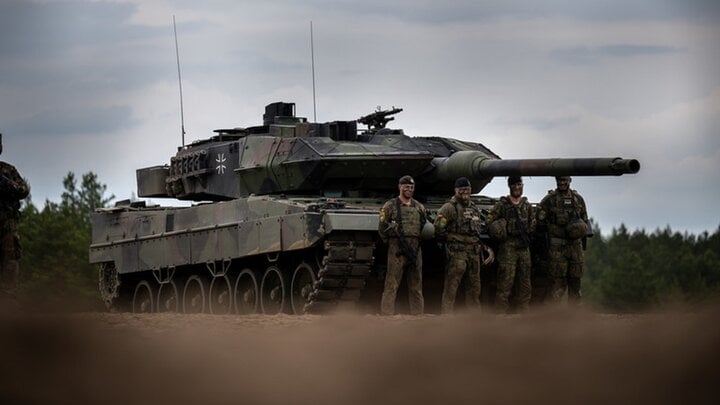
<point x="345" y="269"/>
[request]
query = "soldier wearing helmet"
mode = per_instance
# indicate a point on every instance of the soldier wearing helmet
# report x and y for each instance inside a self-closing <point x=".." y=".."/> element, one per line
<point x="564" y="213"/>
<point x="458" y="227"/>
<point x="12" y="189"/>
<point x="511" y="222"/>
<point x="401" y="223"/>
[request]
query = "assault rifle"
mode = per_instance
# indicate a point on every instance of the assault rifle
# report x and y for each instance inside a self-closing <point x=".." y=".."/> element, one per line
<point x="521" y="229"/>
<point x="405" y="249"/>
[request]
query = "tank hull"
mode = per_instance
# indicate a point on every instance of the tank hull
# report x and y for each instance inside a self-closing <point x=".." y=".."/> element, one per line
<point x="326" y="245"/>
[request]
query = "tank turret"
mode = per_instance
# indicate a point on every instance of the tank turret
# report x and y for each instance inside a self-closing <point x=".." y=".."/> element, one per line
<point x="288" y="155"/>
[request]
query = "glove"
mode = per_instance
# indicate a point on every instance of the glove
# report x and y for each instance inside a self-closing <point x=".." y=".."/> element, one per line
<point x="490" y="255"/>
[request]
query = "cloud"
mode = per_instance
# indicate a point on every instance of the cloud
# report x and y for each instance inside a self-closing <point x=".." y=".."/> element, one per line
<point x="588" y="55"/>
<point x="459" y="11"/>
<point x="61" y="42"/>
<point x="528" y="79"/>
<point x="545" y="123"/>
<point x="49" y="29"/>
<point x="67" y="121"/>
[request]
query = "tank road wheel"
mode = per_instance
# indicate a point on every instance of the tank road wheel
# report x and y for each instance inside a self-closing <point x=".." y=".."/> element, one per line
<point x="168" y="299"/>
<point x="246" y="293"/>
<point x="220" y="296"/>
<point x="194" y="295"/>
<point x="272" y="291"/>
<point x="303" y="283"/>
<point x="143" y="301"/>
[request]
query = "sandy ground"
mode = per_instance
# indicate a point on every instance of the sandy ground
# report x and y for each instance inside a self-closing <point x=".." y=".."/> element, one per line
<point x="552" y="356"/>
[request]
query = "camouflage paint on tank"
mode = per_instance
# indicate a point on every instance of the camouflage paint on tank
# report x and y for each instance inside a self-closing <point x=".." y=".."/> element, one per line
<point x="154" y="238"/>
<point x="290" y="190"/>
<point x="299" y="165"/>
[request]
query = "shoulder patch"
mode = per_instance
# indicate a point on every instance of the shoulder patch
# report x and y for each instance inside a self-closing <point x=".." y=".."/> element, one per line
<point x="441" y="221"/>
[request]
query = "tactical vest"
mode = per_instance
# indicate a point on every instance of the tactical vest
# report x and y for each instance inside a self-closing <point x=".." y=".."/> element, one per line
<point x="563" y="210"/>
<point x="410" y="219"/>
<point x="513" y="214"/>
<point x="466" y="226"/>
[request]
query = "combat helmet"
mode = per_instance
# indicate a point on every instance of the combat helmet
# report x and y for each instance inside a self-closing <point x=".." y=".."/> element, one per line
<point x="428" y="231"/>
<point x="576" y="229"/>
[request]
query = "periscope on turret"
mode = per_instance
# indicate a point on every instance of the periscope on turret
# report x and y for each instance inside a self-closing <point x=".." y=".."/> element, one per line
<point x="286" y="214"/>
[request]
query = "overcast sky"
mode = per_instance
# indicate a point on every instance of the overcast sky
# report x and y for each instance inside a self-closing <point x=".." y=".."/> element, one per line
<point x="92" y="86"/>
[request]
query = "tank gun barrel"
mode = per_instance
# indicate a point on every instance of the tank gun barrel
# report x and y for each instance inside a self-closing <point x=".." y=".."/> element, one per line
<point x="476" y="165"/>
<point x="560" y="167"/>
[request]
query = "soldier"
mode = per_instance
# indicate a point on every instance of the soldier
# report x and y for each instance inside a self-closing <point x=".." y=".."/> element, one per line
<point x="12" y="190"/>
<point x="458" y="227"/>
<point x="564" y="214"/>
<point x="511" y="221"/>
<point x="401" y="223"/>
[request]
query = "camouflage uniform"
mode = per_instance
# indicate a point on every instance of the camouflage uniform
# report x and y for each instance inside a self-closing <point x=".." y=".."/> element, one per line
<point x="566" y="257"/>
<point x="12" y="189"/>
<point x="514" y="255"/>
<point x="402" y="237"/>
<point x="457" y="225"/>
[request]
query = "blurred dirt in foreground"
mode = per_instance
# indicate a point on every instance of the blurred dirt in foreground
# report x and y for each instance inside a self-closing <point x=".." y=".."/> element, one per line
<point x="552" y="356"/>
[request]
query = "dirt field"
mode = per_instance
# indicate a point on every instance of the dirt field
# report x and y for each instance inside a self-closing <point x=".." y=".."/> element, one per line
<point x="545" y="357"/>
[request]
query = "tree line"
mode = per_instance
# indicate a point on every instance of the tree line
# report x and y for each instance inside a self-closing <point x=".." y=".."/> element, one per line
<point x="633" y="271"/>
<point x="54" y="269"/>
<point x="625" y="271"/>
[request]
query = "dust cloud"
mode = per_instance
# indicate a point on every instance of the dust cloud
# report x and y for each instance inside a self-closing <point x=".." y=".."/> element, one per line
<point x="550" y="356"/>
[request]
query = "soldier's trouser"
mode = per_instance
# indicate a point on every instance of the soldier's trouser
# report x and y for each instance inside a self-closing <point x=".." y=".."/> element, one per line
<point x="513" y="262"/>
<point x="9" y="255"/>
<point x="394" y="275"/>
<point x="462" y="264"/>
<point x="566" y="269"/>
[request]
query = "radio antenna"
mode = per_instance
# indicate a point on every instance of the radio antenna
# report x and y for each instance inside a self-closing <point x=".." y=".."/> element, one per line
<point x="312" y="57"/>
<point x="177" y="56"/>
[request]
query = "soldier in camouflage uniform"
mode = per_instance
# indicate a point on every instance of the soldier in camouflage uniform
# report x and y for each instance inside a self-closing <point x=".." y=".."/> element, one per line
<point x="12" y="190"/>
<point x="401" y="222"/>
<point x="458" y="226"/>
<point x="514" y="251"/>
<point x="561" y="212"/>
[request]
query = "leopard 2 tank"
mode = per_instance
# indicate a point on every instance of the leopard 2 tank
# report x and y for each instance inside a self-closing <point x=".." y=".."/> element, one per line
<point x="285" y="215"/>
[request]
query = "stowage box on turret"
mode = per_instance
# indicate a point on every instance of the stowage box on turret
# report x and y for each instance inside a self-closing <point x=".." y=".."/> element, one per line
<point x="287" y="215"/>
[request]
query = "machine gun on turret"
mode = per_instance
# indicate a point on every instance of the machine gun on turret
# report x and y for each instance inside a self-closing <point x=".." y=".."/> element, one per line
<point x="379" y="118"/>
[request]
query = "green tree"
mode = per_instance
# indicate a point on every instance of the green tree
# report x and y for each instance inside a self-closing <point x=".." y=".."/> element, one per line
<point x="635" y="271"/>
<point x="54" y="267"/>
<point x="84" y="200"/>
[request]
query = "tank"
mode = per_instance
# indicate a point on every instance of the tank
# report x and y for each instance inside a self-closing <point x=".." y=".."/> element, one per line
<point x="284" y="215"/>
